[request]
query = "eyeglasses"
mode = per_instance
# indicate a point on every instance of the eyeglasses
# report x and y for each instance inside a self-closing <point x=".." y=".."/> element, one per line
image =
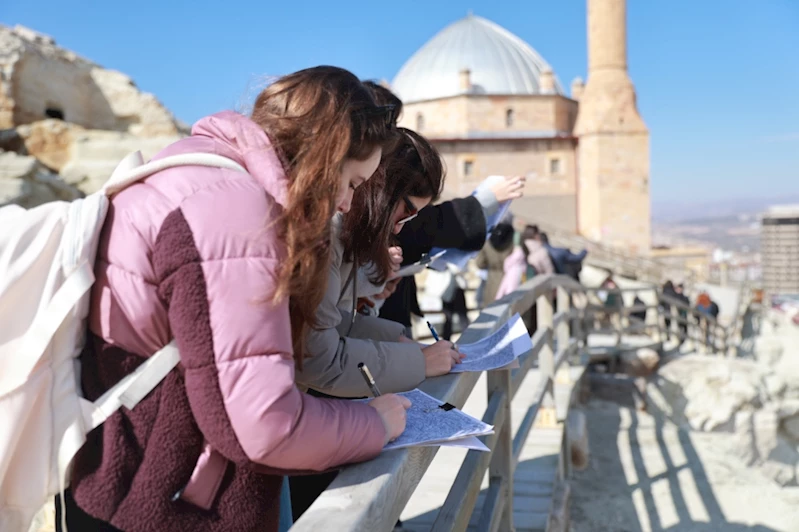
<point x="413" y="212"/>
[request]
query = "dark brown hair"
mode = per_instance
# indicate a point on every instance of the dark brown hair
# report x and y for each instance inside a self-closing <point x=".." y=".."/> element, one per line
<point x="383" y="96"/>
<point x="414" y="169"/>
<point x="530" y="232"/>
<point x="316" y="118"/>
<point x="501" y="237"/>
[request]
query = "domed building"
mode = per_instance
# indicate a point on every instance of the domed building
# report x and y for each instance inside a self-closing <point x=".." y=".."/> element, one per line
<point x="492" y="105"/>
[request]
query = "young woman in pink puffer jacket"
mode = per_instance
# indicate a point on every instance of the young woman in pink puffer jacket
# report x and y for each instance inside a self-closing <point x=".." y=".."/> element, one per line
<point x="232" y="265"/>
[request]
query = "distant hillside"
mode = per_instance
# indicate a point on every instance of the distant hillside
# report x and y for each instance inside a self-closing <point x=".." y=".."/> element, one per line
<point x="667" y="211"/>
<point x="733" y="233"/>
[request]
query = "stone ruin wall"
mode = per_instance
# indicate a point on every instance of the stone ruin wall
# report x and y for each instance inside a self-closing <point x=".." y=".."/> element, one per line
<point x="70" y="119"/>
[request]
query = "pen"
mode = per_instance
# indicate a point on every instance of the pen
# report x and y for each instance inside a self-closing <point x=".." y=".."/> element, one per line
<point x="367" y="376"/>
<point x="433" y="330"/>
<point x="436" y="338"/>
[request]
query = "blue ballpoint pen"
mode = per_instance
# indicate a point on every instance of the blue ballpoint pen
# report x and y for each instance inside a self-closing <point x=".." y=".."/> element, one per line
<point x="433" y="330"/>
<point x="436" y="338"/>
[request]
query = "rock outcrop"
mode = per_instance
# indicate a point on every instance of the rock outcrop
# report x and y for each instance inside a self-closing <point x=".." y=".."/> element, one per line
<point x="26" y="182"/>
<point x="42" y="80"/>
<point x="639" y="363"/>
<point x="65" y="122"/>
<point x="756" y="399"/>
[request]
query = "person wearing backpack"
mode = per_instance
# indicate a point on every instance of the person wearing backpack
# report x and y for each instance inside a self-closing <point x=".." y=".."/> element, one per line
<point x="232" y="266"/>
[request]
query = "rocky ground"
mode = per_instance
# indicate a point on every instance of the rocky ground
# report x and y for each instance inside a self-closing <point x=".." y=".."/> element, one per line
<point x="650" y="475"/>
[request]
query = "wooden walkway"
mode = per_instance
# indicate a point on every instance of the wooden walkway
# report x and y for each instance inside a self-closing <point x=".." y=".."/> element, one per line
<point x="536" y="473"/>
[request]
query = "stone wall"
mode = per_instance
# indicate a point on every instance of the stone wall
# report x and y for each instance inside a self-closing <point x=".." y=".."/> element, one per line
<point x="469" y="162"/>
<point x="96" y="118"/>
<point x="613" y="197"/>
<point x="459" y="116"/>
<point x="41" y="80"/>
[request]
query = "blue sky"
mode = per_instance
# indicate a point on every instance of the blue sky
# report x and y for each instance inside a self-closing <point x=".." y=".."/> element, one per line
<point x="716" y="79"/>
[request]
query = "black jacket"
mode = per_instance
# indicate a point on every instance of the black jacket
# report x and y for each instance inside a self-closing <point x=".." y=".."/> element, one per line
<point x="459" y="224"/>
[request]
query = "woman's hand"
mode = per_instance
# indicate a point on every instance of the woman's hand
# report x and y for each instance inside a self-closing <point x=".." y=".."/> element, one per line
<point x="439" y="358"/>
<point x="395" y="253"/>
<point x="509" y="189"/>
<point x="392" y="409"/>
<point x="364" y="303"/>
<point x="389" y="289"/>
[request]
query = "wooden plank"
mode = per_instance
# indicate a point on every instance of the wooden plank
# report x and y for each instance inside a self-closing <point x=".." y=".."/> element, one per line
<point x="540" y="339"/>
<point x="530" y="521"/>
<point x="531" y="503"/>
<point x="462" y="497"/>
<point x="529" y="419"/>
<point x="524" y="488"/>
<point x="491" y="512"/>
<point x="500" y="469"/>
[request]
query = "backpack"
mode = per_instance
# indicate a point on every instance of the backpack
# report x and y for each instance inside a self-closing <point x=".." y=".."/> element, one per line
<point x="46" y="270"/>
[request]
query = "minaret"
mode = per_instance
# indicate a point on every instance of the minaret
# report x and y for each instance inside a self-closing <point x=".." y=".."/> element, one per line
<point x="613" y="149"/>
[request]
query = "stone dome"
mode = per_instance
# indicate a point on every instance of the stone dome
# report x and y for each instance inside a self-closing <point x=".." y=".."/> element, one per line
<point x="499" y="63"/>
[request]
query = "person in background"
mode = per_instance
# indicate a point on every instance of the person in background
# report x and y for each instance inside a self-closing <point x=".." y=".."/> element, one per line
<point x="481" y="288"/>
<point x="714" y="309"/>
<point x="492" y="258"/>
<point x="515" y="268"/>
<point x="704" y="305"/>
<point x="232" y="265"/>
<point x="564" y="261"/>
<point x="453" y="303"/>
<point x="668" y="291"/>
<point x="638" y="316"/>
<point x="611" y="301"/>
<point x="538" y="260"/>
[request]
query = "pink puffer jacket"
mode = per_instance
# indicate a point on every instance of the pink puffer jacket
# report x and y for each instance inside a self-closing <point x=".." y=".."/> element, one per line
<point x="190" y="253"/>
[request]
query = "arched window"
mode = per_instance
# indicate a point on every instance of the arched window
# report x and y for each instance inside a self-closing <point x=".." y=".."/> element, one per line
<point x="509" y="117"/>
<point x="419" y="122"/>
<point x="54" y="112"/>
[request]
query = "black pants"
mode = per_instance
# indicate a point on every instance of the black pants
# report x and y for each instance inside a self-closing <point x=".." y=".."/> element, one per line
<point x="77" y="519"/>
<point x="455" y="307"/>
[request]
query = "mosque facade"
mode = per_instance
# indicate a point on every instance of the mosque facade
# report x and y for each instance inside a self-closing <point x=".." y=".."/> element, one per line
<point x="492" y="105"/>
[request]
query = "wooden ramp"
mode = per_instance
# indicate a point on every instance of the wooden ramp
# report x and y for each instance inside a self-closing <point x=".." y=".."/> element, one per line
<point x="536" y="473"/>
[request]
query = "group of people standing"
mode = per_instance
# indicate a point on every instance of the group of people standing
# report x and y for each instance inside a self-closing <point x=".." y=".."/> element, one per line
<point x="507" y="263"/>
<point x="704" y="305"/>
<point x="275" y="283"/>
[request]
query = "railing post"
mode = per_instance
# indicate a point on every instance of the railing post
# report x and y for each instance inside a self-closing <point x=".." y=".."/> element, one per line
<point x="660" y="320"/>
<point x="578" y="324"/>
<point x="563" y="335"/>
<point x="500" y="469"/>
<point x="547" y="416"/>
<point x="675" y="324"/>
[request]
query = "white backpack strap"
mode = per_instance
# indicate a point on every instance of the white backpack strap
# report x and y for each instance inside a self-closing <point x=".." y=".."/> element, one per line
<point x="134" y="387"/>
<point x="45" y="325"/>
<point x="131" y="169"/>
<point x="128" y="393"/>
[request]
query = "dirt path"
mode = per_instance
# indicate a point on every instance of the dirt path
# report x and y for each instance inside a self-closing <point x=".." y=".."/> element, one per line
<point x="649" y="476"/>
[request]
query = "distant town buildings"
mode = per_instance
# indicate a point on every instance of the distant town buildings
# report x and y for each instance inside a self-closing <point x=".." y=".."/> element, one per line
<point x="779" y="250"/>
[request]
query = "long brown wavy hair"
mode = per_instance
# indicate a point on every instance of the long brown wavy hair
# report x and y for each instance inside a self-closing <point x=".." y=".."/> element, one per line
<point x="316" y="118"/>
<point x="414" y="169"/>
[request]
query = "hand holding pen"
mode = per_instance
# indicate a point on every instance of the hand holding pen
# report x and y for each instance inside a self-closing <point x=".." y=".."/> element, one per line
<point x="391" y="408"/>
<point x="441" y="356"/>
